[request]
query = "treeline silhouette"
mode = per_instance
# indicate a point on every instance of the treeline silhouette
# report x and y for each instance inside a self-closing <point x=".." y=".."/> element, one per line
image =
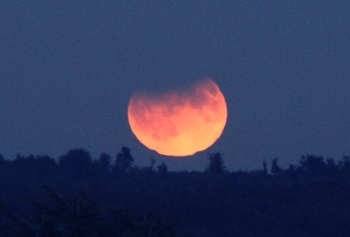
<point x="77" y="195"/>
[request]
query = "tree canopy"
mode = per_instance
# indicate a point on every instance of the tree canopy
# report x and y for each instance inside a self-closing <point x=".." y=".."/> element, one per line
<point x="78" y="195"/>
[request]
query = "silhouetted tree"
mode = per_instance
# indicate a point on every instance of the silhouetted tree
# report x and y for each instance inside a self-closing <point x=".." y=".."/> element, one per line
<point x="344" y="166"/>
<point x="344" y="163"/>
<point x="123" y="161"/>
<point x="264" y="166"/>
<point x="331" y="167"/>
<point x="104" y="163"/>
<point x="162" y="168"/>
<point x="36" y="166"/>
<point x="313" y="164"/>
<point x="19" y="161"/>
<point x="216" y="163"/>
<point x="76" y="162"/>
<point x="153" y="161"/>
<point x="238" y="203"/>
<point x="275" y="168"/>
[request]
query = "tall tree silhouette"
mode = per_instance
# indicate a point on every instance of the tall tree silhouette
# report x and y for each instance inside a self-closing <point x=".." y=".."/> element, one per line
<point x="275" y="168"/>
<point x="123" y="161"/>
<point x="216" y="163"/>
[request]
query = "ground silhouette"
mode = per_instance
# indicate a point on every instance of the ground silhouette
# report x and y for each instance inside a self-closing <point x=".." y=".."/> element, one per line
<point x="78" y="195"/>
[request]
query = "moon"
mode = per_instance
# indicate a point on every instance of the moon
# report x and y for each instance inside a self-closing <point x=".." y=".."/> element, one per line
<point x="179" y="123"/>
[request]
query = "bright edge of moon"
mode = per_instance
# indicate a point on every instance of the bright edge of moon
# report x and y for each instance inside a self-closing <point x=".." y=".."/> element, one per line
<point x="179" y="123"/>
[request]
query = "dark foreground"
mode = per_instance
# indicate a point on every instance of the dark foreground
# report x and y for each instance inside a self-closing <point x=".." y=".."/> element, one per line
<point x="79" y="196"/>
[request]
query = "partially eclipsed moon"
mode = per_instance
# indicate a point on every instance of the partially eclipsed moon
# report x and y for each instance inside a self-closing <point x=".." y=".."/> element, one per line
<point x="179" y="123"/>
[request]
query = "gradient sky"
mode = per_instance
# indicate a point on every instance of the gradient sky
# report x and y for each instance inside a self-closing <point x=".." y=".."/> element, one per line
<point x="68" y="69"/>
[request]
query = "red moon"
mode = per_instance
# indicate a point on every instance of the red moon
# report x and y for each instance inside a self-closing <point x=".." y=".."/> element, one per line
<point x="179" y="123"/>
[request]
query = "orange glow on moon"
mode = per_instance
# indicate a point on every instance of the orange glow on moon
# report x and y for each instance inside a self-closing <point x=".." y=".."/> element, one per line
<point x="179" y="123"/>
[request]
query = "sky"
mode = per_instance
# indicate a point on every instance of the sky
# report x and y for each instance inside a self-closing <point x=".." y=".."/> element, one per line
<point x="68" y="69"/>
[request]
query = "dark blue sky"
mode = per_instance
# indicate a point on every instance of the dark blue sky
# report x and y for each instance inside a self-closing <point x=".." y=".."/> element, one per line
<point x="68" y="69"/>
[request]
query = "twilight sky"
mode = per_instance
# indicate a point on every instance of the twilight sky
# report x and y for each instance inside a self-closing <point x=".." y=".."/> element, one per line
<point x="68" y="69"/>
